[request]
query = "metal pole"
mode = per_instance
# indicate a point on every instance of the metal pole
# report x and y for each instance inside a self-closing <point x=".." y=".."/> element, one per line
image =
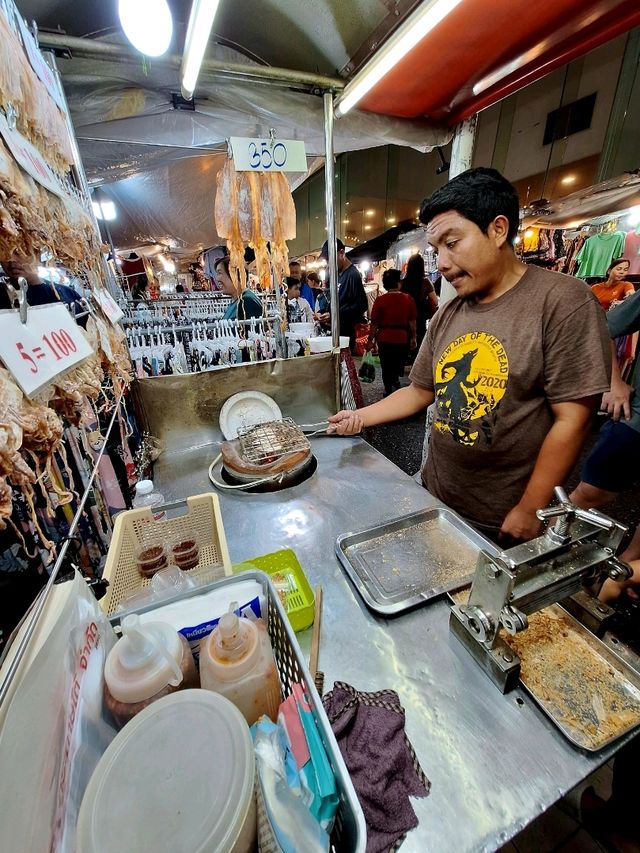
<point x="462" y="148"/>
<point x="110" y="52"/>
<point x="330" y="202"/>
<point x="461" y="160"/>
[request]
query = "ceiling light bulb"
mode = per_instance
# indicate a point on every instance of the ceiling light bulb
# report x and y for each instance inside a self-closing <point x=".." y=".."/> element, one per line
<point x="367" y="228"/>
<point x="369" y="212"/>
<point x="568" y="179"/>
<point x="422" y="21"/>
<point x="633" y="216"/>
<point x="195" y="44"/>
<point x="147" y="24"/>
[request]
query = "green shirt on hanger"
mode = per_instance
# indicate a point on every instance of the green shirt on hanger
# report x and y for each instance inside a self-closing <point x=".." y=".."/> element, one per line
<point x="598" y="252"/>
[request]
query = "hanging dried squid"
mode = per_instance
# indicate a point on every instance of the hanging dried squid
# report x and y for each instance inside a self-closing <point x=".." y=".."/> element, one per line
<point x="255" y="209"/>
<point x="27" y="427"/>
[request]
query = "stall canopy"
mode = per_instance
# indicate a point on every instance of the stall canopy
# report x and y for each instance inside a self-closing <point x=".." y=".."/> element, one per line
<point x="482" y="52"/>
<point x="606" y="199"/>
<point x="377" y="248"/>
<point x="158" y="161"/>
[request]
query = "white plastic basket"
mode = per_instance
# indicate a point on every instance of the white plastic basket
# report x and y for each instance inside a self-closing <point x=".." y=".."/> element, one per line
<point x="136" y="527"/>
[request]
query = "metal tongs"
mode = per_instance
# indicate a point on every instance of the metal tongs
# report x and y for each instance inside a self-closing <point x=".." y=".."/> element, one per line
<point x="310" y="429"/>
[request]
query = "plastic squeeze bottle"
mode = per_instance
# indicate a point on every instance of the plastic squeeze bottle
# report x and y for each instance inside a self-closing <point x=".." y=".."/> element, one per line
<point x="237" y="661"/>
<point x="146" y="495"/>
<point x="149" y="661"/>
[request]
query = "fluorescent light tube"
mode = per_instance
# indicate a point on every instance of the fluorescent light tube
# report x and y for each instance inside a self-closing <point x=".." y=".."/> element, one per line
<point x="105" y="210"/>
<point x="198" y="32"/>
<point x="414" y="29"/>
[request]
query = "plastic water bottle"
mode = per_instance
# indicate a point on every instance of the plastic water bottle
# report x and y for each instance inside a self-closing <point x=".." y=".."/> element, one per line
<point x="147" y="496"/>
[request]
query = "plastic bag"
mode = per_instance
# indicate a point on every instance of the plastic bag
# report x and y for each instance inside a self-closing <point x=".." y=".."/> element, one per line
<point x="367" y="372"/>
<point x="55" y="728"/>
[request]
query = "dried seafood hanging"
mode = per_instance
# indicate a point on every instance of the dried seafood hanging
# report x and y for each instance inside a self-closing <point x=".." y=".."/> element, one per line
<point x="255" y="209"/>
<point x="32" y="218"/>
<point x="27" y="427"/>
<point x="39" y="118"/>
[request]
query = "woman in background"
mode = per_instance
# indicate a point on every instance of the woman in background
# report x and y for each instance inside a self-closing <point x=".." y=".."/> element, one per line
<point x="393" y="327"/>
<point x="419" y="288"/>
<point x="615" y="288"/>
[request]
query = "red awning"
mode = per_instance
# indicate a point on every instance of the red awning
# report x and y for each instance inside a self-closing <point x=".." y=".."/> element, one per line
<point x="496" y="46"/>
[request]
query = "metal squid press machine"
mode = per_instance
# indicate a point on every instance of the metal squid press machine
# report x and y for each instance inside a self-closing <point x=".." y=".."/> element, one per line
<point x="576" y="551"/>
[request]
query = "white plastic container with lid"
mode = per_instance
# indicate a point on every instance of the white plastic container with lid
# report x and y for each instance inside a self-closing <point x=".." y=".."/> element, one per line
<point x="180" y="776"/>
<point x="237" y="661"/>
<point x="147" y="496"/>
<point x="148" y="662"/>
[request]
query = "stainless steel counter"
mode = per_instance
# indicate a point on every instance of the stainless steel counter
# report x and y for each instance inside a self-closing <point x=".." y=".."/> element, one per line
<point x="495" y="762"/>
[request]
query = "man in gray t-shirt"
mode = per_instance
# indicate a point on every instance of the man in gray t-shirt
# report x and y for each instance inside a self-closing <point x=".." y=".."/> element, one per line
<point x="516" y="365"/>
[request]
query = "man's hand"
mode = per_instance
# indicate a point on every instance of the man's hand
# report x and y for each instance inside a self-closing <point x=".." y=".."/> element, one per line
<point x="346" y="422"/>
<point x="611" y="590"/>
<point x="616" y="402"/>
<point x="521" y="524"/>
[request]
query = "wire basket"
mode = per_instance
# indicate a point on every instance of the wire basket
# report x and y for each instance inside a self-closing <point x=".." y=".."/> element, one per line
<point x="349" y="832"/>
<point x="136" y="527"/>
<point x="262" y="443"/>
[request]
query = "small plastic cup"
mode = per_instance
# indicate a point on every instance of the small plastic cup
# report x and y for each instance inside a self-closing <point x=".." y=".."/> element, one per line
<point x="185" y="551"/>
<point x="150" y="558"/>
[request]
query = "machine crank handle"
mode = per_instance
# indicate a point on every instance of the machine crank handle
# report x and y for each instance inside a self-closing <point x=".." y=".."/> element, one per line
<point x="618" y="571"/>
<point x="592" y="516"/>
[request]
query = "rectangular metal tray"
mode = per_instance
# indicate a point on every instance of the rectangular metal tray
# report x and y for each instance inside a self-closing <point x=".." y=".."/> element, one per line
<point x="588" y="691"/>
<point x="410" y="560"/>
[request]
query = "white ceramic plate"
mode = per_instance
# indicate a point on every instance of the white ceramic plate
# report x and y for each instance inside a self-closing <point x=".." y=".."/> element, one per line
<point x="246" y="409"/>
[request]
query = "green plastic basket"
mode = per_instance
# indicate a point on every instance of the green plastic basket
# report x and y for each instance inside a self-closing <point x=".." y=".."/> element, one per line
<point x="300" y="601"/>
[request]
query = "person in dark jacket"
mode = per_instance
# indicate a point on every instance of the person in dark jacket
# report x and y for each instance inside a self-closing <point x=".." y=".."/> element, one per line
<point x="38" y="292"/>
<point x="352" y="298"/>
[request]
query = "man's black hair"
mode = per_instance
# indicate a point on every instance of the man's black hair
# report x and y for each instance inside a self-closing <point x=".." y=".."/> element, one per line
<point x="479" y="195"/>
<point x="292" y="282"/>
<point x="391" y="279"/>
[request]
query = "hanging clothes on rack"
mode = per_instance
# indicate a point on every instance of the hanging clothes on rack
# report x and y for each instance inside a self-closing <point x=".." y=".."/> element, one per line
<point x="632" y="250"/>
<point x="531" y="240"/>
<point x="598" y="252"/>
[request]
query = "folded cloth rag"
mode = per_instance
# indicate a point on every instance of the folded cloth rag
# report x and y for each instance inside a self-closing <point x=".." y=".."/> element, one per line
<point x="384" y="769"/>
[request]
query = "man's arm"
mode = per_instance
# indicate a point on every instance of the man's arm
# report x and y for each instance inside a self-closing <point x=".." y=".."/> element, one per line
<point x="555" y="461"/>
<point x="401" y="404"/>
<point x="616" y="401"/>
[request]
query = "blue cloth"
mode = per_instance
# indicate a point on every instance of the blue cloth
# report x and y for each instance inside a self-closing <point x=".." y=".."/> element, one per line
<point x="614" y="462"/>
<point x="247" y="307"/>
<point x="306" y="292"/>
